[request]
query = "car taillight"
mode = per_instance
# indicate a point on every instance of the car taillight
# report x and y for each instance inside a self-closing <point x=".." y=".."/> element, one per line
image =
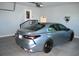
<point x="31" y="36"/>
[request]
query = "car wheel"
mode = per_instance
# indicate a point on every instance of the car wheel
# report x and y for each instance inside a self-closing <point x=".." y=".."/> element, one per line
<point x="72" y="36"/>
<point x="48" y="46"/>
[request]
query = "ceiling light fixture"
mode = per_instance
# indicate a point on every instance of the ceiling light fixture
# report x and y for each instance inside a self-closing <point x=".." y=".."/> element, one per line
<point x="38" y="4"/>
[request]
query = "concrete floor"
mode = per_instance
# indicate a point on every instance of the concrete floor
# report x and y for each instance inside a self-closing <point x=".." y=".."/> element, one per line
<point x="8" y="47"/>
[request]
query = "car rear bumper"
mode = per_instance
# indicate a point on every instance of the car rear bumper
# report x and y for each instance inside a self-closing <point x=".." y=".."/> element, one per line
<point x="27" y="45"/>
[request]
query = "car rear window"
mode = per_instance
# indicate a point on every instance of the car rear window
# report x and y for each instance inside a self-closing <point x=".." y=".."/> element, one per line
<point x="35" y="27"/>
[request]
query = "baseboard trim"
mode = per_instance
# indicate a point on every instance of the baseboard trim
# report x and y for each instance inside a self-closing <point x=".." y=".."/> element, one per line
<point x="7" y="35"/>
<point x="76" y="36"/>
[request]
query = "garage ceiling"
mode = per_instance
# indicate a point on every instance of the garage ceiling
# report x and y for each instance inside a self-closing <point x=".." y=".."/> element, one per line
<point x="46" y="4"/>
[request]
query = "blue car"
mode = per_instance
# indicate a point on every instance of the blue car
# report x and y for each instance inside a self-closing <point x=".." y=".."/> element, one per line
<point x="34" y="36"/>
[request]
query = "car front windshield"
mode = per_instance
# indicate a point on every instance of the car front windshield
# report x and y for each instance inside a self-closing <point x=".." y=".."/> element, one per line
<point x="31" y="25"/>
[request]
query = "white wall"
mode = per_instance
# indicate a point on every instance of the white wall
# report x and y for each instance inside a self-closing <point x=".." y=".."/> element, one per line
<point x="57" y="14"/>
<point x="10" y="20"/>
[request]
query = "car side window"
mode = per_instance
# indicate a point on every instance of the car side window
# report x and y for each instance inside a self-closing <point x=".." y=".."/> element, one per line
<point x="51" y="28"/>
<point x="56" y="27"/>
<point x="61" y="27"/>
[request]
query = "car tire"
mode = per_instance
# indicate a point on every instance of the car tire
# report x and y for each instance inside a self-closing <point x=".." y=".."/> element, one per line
<point x="48" y="46"/>
<point x="72" y="36"/>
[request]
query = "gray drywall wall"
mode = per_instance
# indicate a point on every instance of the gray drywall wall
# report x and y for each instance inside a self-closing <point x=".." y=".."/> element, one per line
<point x="10" y="20"/>
<point x="57" y="14"/>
